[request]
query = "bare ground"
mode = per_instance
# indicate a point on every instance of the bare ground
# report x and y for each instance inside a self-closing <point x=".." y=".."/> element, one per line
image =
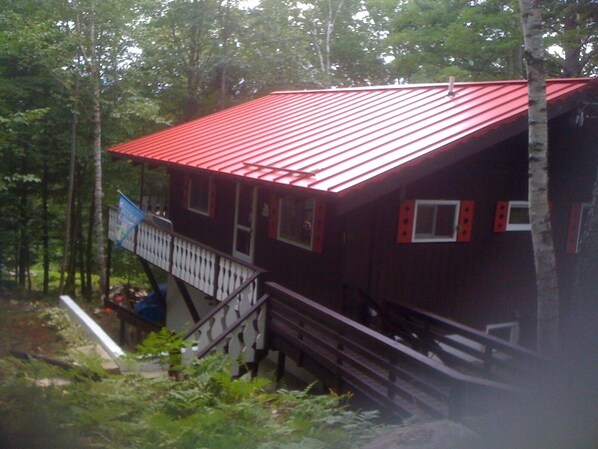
<point x="23" y="329"/>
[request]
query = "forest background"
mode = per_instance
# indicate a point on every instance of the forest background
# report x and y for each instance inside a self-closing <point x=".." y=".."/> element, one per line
<point x="77" y="76"/>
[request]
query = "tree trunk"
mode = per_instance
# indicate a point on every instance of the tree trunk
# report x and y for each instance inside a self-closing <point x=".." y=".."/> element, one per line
<point x="76" y="220"/>
<point x="86" y="284"/>
<point x="572" y="45"/>
<point x="70" y="195"/>
<point x="46" y="228"/>
<point x="23" y="246"/>
<point x="97" y="156"/>
<point x="544" y="258"/>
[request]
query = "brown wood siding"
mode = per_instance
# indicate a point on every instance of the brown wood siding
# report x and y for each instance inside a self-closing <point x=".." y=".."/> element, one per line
<point x="307" y="272"/>
<point x="573" y="165"/>
<point x="491" y="278"/>
<point x="216" y="231"/>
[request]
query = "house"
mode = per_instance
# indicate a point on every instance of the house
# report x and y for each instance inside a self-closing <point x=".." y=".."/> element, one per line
<point x="411" y="194"/>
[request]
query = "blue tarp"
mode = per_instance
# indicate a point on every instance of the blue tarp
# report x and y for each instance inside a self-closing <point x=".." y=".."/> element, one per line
<point x="149" y="307"/>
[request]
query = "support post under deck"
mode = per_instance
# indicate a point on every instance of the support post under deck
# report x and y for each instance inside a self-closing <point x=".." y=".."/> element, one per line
<point x="188" y="301"/>
<point x="153" y="282"/>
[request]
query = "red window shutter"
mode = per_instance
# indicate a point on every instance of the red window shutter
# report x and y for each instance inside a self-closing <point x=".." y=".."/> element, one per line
<point x="465" y="221"/>
<point x="318" y="227"/>
<point x="573" y="232"/>
<point x="273" y="217"/>
<point x="213" y="193"/>
<point x="406" y="216"/>
<point x="500" y="217"/>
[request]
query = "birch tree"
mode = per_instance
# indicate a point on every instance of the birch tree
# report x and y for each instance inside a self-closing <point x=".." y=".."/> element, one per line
<point x="544" y="258"/>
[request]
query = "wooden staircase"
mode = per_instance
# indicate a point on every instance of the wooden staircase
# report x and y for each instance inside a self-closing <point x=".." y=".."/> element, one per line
<point x="345" y="356"/>
<point x="351" y="358"/>
<point x="458" y="346"/>
<point x="405" y="372"/>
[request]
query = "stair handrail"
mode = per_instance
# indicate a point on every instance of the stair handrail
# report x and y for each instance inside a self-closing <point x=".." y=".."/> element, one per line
<point x="259" y="303"/>
<point x="430" y="333"/>
<point x="224" y="303"/>
<point x="459" y="383"/>
<point x="489" y="343"/>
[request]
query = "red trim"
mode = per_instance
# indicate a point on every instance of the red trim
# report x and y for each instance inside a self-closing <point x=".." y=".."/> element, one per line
<point x="273" y="217"/>
<point x="465" y="221"/>
<point x="573" y="232"/>
<point x="212" y="195"/>
<point x="501" y="215"/>
<point x="318" y="227"/>
<point x="406" y="216"/>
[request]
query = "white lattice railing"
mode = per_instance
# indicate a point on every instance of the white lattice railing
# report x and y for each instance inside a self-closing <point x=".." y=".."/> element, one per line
<point x="239" y="335"/>
<point x="236" y="326"/>
<point x="222" y="317"/>
<point x="212" y="272"/>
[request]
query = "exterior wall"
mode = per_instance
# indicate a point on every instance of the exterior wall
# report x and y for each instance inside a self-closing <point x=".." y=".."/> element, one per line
<point x="490" y="279"/>
<point x="574" y="165"/>
<point x="216" y="231"/>
<point x="311" y="274"/>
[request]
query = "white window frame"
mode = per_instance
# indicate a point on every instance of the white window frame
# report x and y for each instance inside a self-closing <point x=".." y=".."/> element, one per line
<point x="439" y="239"/>
<point x="205" y="212"/>
<point x="517" y="226"/>
<point x="279" y="228"/>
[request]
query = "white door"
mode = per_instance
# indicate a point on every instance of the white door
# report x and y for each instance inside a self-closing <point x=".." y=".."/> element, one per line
<point x="245" y="216"/>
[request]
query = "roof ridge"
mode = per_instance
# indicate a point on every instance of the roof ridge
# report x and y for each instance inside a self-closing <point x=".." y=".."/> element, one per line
<point x="428" y="85"/>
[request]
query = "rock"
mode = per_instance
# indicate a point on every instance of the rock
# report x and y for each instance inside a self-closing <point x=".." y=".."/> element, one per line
<point x="442" y="434"/>
<point x="51" y="382"/>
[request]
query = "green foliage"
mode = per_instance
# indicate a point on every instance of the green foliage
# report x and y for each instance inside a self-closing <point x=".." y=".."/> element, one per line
<point x="58" y="319"/>
<point x="164" y="346"/>
<point x="206" y="408"/>
<point x="32" y="417"/>
<point x="433" y="40"/>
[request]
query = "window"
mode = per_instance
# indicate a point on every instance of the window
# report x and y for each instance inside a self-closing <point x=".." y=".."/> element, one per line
<point x="200" y="197"/>
<point x="296" y="220"/>
<point x="435" y="221"/>
<point x="518" y="216"/>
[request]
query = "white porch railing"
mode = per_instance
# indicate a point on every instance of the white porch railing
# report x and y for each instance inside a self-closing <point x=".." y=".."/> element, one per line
<point x="209" y="270"/>
<point x="238" y="334"/>
<point x="236" y="325"/>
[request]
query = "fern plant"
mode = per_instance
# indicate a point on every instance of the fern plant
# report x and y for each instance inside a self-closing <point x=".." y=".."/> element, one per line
<point x="205" y="408"/>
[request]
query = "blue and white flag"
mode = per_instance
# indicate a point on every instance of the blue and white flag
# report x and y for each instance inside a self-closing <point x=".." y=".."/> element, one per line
<point x="129" y="216"/>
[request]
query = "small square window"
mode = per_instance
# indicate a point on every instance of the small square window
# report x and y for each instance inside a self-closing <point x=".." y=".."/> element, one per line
<point x="518" y="216"/>
<point x="199" y="194"/>
<point x="435" y="221"/>
<point x="296" y="220"/>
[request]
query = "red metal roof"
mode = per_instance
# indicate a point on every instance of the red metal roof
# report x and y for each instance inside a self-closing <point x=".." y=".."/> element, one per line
<point x="332" y="140"/>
